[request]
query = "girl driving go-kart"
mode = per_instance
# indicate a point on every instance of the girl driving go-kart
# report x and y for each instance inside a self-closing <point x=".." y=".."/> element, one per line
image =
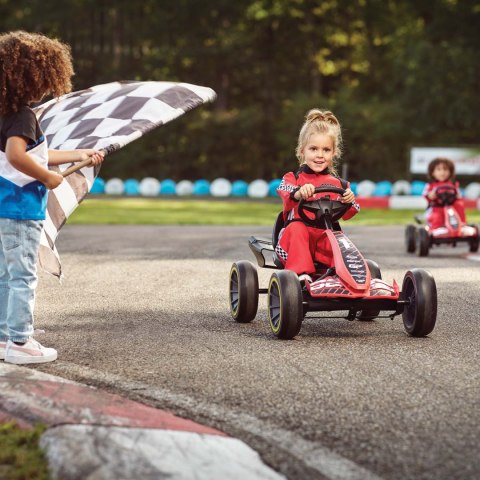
<point x="319" y="267"/>
<point x="300" y="242"/>
<point x="348" y="282"/>
<point x="445" y="215"/>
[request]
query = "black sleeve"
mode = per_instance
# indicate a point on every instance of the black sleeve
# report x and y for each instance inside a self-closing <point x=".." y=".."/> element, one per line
<point x="21" y="124"/>
<point x="292" y="194"/>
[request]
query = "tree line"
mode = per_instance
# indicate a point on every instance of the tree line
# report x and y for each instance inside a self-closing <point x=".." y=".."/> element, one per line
<point x="397" y="74"/>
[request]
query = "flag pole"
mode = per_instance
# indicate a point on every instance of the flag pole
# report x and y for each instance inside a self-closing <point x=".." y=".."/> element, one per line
<point x="76" y="166"/>
<point x="87" y="162"/>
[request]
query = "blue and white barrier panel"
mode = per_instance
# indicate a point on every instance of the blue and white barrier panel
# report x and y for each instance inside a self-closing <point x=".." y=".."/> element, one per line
<point x="401" y="194"/>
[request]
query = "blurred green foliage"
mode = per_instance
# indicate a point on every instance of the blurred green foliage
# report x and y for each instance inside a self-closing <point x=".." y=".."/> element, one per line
<point x="396" y="74"/>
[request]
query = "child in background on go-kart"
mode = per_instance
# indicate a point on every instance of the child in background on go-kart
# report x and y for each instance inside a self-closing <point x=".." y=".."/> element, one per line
<point x="319" y="145"/>
<point x="441" y="172"/>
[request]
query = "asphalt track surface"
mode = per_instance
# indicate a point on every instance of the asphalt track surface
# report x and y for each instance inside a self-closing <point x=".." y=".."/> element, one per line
<point x="143" y="311"/>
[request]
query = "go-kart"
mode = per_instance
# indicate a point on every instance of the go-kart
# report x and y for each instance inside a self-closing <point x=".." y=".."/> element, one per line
<point x="353" y="284"/>
<point x="453" y="231"/>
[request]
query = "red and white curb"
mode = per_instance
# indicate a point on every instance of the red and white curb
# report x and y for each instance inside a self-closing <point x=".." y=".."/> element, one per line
<point x="97" y="435"/>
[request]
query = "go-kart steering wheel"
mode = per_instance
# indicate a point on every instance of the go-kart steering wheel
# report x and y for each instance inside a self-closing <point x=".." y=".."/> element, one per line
<point x="323" y="207"/>
<point x="446" y="194"/>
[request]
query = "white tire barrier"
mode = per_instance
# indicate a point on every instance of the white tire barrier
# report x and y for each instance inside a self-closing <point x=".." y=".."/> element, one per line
<point x="114" y="186"/>
<point x="472" y="190"/>
<point x="365" y="188"/>
<point x="184" y="188"/>
<point x="149" y="187"/>
<point x="401" y="187"/>
<point x="220" y="187"/>
<point x="258" y="189"/>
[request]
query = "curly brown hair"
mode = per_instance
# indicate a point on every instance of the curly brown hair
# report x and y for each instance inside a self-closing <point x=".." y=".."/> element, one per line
<point x="32" y="66"/>
<point x="441" y="161"/>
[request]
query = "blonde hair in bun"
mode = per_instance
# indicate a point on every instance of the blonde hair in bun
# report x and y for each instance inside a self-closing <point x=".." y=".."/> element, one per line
<point x="324" y="122"/>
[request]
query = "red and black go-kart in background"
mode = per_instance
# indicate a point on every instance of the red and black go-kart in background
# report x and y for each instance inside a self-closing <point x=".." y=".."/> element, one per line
<point x="422" y="238"/>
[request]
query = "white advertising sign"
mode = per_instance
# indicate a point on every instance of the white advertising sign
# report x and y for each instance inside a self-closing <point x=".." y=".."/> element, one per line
<point x="467" y="160"/>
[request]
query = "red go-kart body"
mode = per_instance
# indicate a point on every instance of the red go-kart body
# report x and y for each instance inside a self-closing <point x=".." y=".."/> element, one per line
<point x="354" y="284"/>
<point x="352" y="278"/>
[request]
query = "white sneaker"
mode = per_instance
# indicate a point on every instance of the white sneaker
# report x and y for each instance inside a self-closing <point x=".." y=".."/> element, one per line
<point x="3" y="347"/>
<point x="468" y="231"/>
<point x="30" y="352"/>
<point x="304" y="278"/>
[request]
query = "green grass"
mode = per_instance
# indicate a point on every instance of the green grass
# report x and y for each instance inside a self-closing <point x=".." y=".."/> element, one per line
<point x="147" y="211"/>
<point x="20" y="456"/>
<point x="137" y="211"/>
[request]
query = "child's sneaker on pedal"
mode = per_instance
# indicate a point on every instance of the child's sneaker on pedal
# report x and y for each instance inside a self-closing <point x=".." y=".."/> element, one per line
<point x="468" y="231"/>
<point x="304" y="278"/>
<point x="3" y="347"/>
<point x="30" y="352"/>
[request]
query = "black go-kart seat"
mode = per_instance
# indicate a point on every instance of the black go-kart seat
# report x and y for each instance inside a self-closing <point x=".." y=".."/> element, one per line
<point x="277" y="228"/>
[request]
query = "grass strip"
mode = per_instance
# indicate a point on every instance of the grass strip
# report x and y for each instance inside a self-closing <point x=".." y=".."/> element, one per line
<point x="21" y="458"/>
<point x="146" y="211"/>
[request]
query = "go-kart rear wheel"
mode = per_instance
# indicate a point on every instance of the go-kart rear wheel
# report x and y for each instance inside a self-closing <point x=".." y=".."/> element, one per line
<point x="243" y="291"/>
<point x="285" y="304"/>
<point x="475" y="241"/>
<point x="410" y="233"/>
<point x="420" y="313"/>
<point x="370" y="314"/>
<point x="423" y="241"/>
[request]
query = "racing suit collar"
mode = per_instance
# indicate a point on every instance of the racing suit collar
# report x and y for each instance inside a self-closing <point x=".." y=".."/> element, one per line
<point x="306" y="169"/>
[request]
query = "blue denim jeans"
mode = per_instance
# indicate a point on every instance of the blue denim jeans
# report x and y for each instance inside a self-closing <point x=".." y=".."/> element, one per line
<point x="19" y="244"/>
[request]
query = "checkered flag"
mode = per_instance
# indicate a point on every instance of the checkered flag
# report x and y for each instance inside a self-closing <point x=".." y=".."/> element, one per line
<point x="104" y="117"/>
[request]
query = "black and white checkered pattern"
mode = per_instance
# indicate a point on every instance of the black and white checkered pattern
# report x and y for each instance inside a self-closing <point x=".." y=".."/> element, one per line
<point x="287" y="187"/>
<point x="104" y="117"/>
<point x="281" y="253"/>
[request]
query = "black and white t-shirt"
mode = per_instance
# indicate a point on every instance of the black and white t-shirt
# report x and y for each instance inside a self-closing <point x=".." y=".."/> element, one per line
<point x="21" y="196"/>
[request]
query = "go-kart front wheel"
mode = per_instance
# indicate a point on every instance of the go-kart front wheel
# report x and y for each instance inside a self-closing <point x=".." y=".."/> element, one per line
<point x="243" y="291"/>
<point x="474" y="241"/>
<point x="410" y="233"/>
<point x="420" y="312"/>
<point x="285" y="304"/>
<point x="423" y="240"/>
<point x="370" y="314"/>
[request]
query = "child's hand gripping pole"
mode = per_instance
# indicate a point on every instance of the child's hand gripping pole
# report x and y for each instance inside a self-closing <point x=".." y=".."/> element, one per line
<point x="79" y="165"/>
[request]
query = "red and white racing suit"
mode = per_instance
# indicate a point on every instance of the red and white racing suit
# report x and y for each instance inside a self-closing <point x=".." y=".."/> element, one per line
<point x="300" y="245"/>
<point x="435" y="214"/>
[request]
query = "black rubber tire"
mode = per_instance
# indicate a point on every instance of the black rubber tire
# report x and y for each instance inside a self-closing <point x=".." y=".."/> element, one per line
<point x="420" y="315"/>
<point x="410" y="240"/>
<point x="423" y="242"/>
<point x="243" y="291"/>
<point x="370" y="314"/>
<point x="285" y="304"/>
<point x="475" y="242"/>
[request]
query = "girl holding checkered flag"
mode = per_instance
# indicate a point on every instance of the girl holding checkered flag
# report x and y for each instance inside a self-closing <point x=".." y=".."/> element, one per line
<point x="32" y="66"/>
